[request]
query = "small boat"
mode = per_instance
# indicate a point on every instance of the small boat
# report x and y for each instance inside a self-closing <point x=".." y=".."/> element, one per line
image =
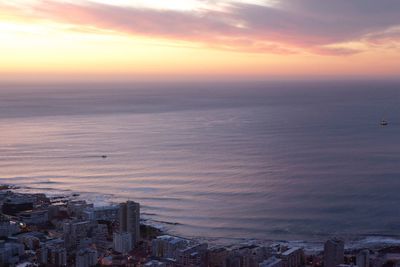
<point x="104" y="156"/>
<point x="384" y="123"/>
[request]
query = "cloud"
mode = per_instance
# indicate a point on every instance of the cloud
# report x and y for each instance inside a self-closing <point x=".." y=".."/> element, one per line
<point x="336" y="51"/>
<point x="389" y="39"/>
<point x="287" y="26"/>
<point x="343" y="20"/>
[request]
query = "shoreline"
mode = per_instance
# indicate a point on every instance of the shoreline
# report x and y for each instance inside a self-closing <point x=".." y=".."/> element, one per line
<point x="38" y="225"/>
<point x="356" y="242"/>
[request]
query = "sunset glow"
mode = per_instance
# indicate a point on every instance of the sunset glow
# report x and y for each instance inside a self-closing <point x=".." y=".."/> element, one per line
<point x="193" y="38"/>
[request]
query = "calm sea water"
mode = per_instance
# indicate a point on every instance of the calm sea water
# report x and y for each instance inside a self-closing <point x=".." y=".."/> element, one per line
<point x="277" y="160"/>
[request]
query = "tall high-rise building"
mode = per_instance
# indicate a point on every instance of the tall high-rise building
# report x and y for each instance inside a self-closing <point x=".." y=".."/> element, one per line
<point x="333" y="253"/>
<point x="86" y="258"/>
<point x="122" y="242"/>
<point x="129" y="219"/>
<point x="292" y="257"/>
<point x="362" y="259"/>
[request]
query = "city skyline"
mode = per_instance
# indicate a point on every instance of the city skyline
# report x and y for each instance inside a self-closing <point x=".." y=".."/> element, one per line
<point x="246" y="39"/>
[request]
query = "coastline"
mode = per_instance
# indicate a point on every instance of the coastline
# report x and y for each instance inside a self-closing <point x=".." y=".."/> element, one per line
<point x="67" y="230"/>
<point x="356" y="242"/>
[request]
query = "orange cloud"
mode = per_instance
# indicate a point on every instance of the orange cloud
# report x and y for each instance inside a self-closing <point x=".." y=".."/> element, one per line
<point x="87" y="38"/>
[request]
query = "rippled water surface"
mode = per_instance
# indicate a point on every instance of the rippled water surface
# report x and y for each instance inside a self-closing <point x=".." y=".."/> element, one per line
<point x="277" y="160"/>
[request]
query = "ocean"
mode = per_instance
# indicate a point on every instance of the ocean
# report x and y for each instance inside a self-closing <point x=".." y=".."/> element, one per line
<point x="294" y="160"/>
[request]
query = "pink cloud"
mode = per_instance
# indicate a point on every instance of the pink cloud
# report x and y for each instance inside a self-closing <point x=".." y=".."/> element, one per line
<point x="289" y="27"/>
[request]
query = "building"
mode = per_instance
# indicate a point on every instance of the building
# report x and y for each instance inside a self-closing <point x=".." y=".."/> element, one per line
<point x="76" y="208"/>
<point x="129" y="219"/>
<point x="53" y="211"/>
<point x="7" y="228"/>
<point x="86" y="258"/>
<point x="167" y="246"/>
<point x="30" y="241"/>
<point x="271" y="262"/>
<point x="39" y="199"/>
<point x="53" y="252"/>
<point x="362" y="259"/>
<point x="43" y="254"/>
<point x="293" y="257"/>
<point x="10" y="253"/>
<point x="75" y="231"/>
<point x="101" y="237"/>
<point x="84" y="242"/>
<point x="57" y="256"/>
<point x="123" y="242"/>
<point x="34" y="217"/>
<point x="14" y="204"/>
<point x="333" y="253"/>
<point x="235" y="260"/>
<point x="193" y="256"/>
<point x="247" y="256"/>
<point x="106" y="213"/>
<point x="217" y="256"/>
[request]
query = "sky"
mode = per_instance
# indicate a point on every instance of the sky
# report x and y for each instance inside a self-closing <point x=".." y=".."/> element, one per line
<point x="159" y="39"/>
